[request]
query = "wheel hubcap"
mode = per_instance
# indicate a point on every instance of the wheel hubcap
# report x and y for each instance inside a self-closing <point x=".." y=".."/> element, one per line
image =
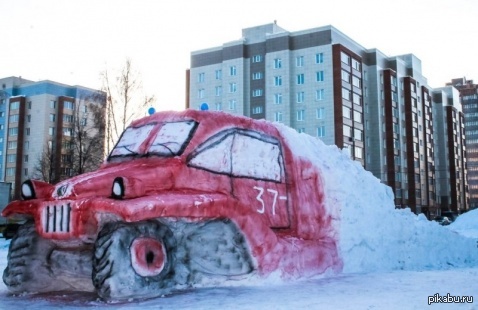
<point x="148" y="256"/>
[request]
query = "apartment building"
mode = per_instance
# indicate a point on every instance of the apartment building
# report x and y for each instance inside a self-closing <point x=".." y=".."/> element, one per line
<point x="449" y="124"/>
<point x="310" y="80"/>
<point x="41" y="125"/>
<point x="323" y="83"/>
<point x="469" y="101"/>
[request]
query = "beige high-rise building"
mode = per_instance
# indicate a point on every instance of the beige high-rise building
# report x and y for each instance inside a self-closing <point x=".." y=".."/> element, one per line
<point x="44" y="126"/>
<point x="321" y="82"/>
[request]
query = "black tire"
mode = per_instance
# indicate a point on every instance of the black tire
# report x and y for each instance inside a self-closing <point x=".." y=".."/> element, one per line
<point x="113" y="274"/>
<point x="28" y="268"/>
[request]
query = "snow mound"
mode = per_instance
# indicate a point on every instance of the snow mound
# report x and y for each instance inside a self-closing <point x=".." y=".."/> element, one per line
<point x="373" y="235"/>
<point x="466" y="224"/>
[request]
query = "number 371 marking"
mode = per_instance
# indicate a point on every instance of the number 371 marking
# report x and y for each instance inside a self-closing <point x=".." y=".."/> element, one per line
<point x="274" y="200"/>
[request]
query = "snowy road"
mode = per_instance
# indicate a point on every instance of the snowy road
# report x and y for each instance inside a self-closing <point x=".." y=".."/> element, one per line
<point x="390" y="290"/>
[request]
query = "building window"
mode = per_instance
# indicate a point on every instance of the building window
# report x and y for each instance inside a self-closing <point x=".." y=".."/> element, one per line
<point x="232" y="104"/>
<point x="358" y="134"/>
<point x="356" y="81"/>
<point x="278" y="80"/>
<point x="29" y="118"/>
<point x="11" y="158"/>
<point x="277" y="63"/>
<point x="201" y="77"/>
<point x="257" y="58"/>
<point x="347" y="112"/>
<point x="52" y="117"/>
<point x="301" y="130"/>
<point x="346" y="94"/>
<point x="201" y="92"/>
<point x="300" y="115"/>
<point x="2" y="114"/>
<point x="257" y="75"/>
<point x="1" y="127"/>
<point x="345" y="76"/>
<point x="66" y="118"/>
<point x="257" y="110"/>
<point x="232" y="87"/>
<point x="278" y="98"/>
<point x="67" y="131"/>
<point x="299" y="61"/>
<point x="12" y="145"/>
<point x="69" y="105"/>
<point x="355" y="64"/>
<point x="14" y="105"/>
<point x="51" y="131"/>
<point x="25" y="172"/>
<point x="10" y="172"/>
<point x="319" y="58"/>
<point x="218" y="106"/>
<point x="319" y="94"/>
<point x="300" y="97"/>
<point x="278" y="116"/>
<point x="347" y="131"/>
<point x="218" y="74"/>
<point x="300" y="79"/>
<point x="83" y="121"/>
<point x="13" y="131"/>
<point x="85" y="109"/>
<point x="29" y="104"/>
<point x="321" y="131"/>
<point x="25" y="158"/>
<point x="357" y="99"/>
<point x="320" y="113"/>
<point x="14" y="118"/>
<point x="218" y="91"/>
<point x="52" y="104"/>
<point x="345" y="58"/>
<point x="320" y="76"/>
<point x="357" y="117"/>
<point x="232" y="70"/>
<point x="257" y="92"/>
<point x="358" y="152"/>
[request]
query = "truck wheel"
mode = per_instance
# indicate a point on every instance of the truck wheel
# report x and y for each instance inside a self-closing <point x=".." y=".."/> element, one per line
<point x="28" y="268"/>
<point x="133" y="260"/>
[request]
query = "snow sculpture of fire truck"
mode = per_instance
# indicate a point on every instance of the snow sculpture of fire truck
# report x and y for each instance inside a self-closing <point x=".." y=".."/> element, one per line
<point x="183" y="196"/>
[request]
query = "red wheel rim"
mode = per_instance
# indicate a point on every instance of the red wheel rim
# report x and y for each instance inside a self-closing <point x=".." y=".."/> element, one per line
<point x="148" y="256"/>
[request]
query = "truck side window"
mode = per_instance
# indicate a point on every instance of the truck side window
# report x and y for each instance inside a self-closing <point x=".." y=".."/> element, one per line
<point x="240" y="153"/>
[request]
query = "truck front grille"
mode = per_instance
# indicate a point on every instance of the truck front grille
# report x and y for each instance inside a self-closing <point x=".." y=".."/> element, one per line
<point x="56" y="218"/>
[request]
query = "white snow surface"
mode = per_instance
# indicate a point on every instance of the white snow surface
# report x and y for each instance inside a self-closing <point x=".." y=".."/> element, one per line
<point x="392" y="258"/>
<point x="466" y="224"/>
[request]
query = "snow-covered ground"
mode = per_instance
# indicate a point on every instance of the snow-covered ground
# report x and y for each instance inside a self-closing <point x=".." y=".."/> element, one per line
<point x="392" y="258"/>
<point x="374" y="290"/>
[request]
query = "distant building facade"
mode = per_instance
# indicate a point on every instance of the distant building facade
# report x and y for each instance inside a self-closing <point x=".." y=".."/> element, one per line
<point x="469" y="101"/>
<point x="321" y="82"/>
<point x="452" y="184"/>
<point x="39" y="127"/>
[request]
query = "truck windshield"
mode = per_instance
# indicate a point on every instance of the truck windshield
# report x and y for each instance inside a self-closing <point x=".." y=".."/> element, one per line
<point x="131" y="140"/>
<point x="158" y="139"/>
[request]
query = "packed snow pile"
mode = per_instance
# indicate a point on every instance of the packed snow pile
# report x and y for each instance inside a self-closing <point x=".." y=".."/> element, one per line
<point x="373" y="235"/>
<point x="466" y="224"/>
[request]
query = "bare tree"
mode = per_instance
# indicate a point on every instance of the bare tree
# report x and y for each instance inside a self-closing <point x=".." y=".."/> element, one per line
<point x="124" y="102"/>
<point x="44" y="167"/>
<point x="88" y="134"/>
<point x="81" y="148"/>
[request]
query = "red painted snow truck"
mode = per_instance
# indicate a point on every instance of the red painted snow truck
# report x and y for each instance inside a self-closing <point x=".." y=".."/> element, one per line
<point x="182" y="197"/>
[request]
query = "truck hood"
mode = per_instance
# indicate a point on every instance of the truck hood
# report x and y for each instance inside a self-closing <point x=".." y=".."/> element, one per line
<point x="138" y="177"/>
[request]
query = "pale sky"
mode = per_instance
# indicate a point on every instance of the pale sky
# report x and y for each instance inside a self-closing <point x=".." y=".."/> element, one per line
<point x="71" y="42"/>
